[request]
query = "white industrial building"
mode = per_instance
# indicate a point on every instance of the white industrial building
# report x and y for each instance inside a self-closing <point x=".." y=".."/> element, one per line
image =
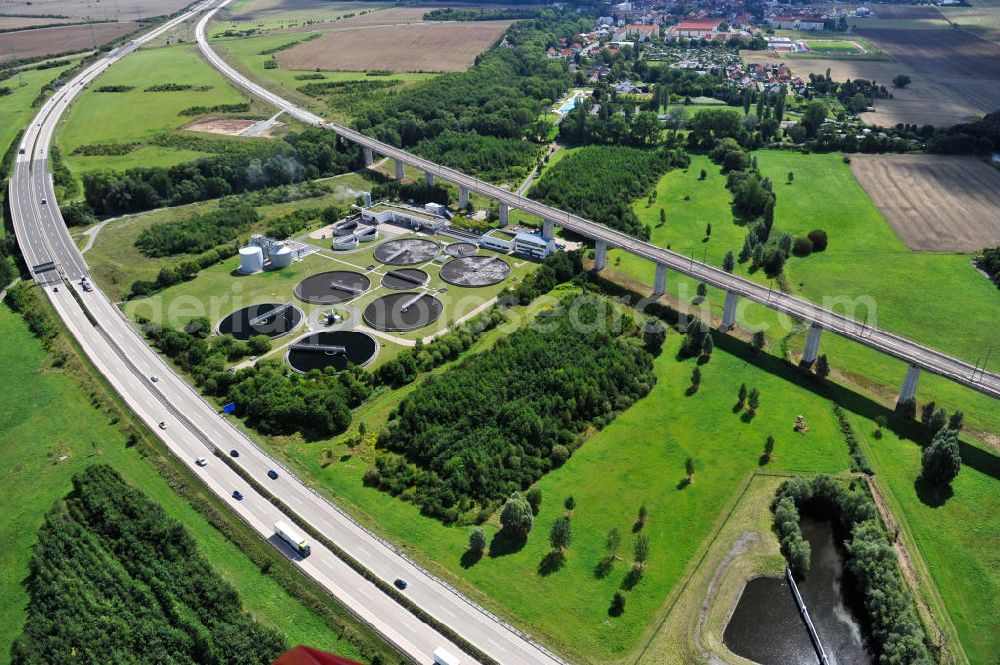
<point x="429" y="219"/>
<point x="498" y="241"/>
<point x="533" y="245"/>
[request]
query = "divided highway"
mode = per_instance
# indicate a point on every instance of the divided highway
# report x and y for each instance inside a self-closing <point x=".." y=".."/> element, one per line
<point x="911" y="352"/>
<point x="192" y="428"/>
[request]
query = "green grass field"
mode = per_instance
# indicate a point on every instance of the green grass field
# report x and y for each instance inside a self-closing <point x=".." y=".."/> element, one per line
<point x="957" y="539"/>
<point x="282" y="16"/>
<point x="15" y="108"/>
<point x="245" y="55"/>
<point x="638" y="459"/>
<point x="832" y="47"/>
<point x="136" y="115"/>
<point x="46" y="417"/>
<point x="865" y="262"/>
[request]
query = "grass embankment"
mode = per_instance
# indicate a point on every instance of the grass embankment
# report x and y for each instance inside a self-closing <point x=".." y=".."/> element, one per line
<point x="638" y="459"/>
<point x="917" y="294"/>
<point x="16" y="109"/>
<point x="58" y="421"/>
<point x="137" y="115"/>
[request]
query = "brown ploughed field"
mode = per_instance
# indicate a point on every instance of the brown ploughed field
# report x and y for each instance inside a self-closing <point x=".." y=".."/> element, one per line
<point x="419" y="47"/>
<point x="50" y="41"/>
<point x="125" y="10"/>
<point x="935" y="203"/>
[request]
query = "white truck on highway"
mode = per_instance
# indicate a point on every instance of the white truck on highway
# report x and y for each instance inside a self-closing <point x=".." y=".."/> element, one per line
<point x="292" y="537"/>
<point x="444" y="657"/>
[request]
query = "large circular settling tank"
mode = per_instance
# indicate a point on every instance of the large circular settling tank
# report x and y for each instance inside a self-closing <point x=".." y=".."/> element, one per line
<point x="400" y="312"/>
<point x="270" y="318"/>
<point x="461" y="249"/>
<point x="333" y="286"/>
<point x="402" y="279"/>
<point x="336" y="348"/>
<point x="475" y="271"/>
<point x="406" y="251"/>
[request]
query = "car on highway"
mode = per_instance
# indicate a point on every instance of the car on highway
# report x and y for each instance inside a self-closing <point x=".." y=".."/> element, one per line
<point x="234" y="453"/>
<point x="200" y="461"/>
<point x="400" y="583"/>
<point x="272" y="474"/>
<point x="21" y="151"/>
<point x="88" y="288"/>
<point x="154" y="378"/>
<point x="237" y="495"/>
<point x="44" y="201"/>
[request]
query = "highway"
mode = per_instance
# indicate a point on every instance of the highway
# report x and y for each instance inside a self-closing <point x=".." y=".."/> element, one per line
<point x="907" y="350"/>
<point x="192" y="428"/>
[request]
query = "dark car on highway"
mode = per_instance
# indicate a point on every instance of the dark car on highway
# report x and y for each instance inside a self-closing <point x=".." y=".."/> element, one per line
<point x="234" y="453"/>
<point x="400" y="583"/>
<point x="237" y="495"/>
<point x="272" y="474"/>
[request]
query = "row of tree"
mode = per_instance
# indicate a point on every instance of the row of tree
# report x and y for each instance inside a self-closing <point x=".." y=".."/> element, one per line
<point x="601" y="182"/>
<point x="490" y="425"/>
<point x="113" y="578"/>
<point x="871" y="563"/>
<point x="296" y="157"/>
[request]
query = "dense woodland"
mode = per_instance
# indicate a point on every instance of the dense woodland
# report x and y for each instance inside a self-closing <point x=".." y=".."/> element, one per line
<point x="488" y="157"/>
<point x="600" y="183"/>
<point x="198" y="232"/>
<point x="113" y="579"/>
<point x="872" y="564"/>
<point x="497" y="421"/>
<point x="309" y="154"/>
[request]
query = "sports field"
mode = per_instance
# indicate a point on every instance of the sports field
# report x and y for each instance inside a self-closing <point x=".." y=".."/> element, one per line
<point x="833" y="47"/>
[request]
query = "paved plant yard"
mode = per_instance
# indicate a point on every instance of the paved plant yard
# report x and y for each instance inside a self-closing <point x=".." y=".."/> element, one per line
<point x="425" y="47"/>
<point x="935" y="203"/>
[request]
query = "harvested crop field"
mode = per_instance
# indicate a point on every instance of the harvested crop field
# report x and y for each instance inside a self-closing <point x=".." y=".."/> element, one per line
<point x="962" y="63"/>
<point x="420" y="47"/>
<point x="113" y="11"/>
<point x="906" y="11"/>
<point x="925" y="101"/>
<point x="52" y="41"/>
<point x="224" y="126"/>
<point x="14" y="22"/>
<point x="935" y="203"/>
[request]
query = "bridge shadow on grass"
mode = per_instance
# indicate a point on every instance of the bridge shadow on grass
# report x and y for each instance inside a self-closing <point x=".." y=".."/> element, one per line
<point x="853" y="401"/>
<point x="976" y="458"/>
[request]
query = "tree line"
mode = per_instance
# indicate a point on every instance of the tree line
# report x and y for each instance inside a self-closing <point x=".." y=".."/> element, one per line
<point x="497" y="421"/>
<point x="601" y="182"/>
<point x="113" y="578"/>
<point x="309" y="154"/>
<point x="871" y="563"/>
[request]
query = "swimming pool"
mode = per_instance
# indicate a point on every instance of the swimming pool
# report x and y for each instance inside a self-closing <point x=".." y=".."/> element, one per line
<point x="568" y="106"/>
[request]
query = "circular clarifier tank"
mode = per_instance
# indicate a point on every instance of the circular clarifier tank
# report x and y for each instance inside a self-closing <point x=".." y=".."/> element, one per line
<point x="328" y="288"/>
<point x="461" y="249"/>
<point x="401" y="279"/>
<point x="336" y="348"/>
<point x="406" y="251"/>
<point x="401" y="312"/>
<point x="270" y="318"/>
<point x="475" y="271"/>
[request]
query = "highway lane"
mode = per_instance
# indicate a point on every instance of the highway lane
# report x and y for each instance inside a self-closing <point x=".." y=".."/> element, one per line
<point x="889" y="343"/>
<point x="193" y="426"/>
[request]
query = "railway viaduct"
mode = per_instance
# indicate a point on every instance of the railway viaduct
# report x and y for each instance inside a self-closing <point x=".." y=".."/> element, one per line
<point x="916" y="356"/>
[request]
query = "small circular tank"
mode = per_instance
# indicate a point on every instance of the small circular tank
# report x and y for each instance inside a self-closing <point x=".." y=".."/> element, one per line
<point x="251" y="259"/>
<point x="281" y="257"/>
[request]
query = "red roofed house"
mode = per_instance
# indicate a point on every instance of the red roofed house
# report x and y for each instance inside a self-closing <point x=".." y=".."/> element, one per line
<point x="697" y="28"/>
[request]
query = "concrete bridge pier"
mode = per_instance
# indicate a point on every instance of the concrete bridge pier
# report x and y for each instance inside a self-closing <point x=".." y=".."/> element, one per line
<point x="660" y="283"/>
<point x="549" y="232"/>
<point x="399" y="170"/>
<point x="600" y="255"/>
<point x="369" y="156"/>
<point x="811" y="352"/>
<point x="909" y="384"/>
<point x="463" y="197"/>
<point x="504" y="213"/>
<point x="729" y="311"/>
<point x="428" y="179"/>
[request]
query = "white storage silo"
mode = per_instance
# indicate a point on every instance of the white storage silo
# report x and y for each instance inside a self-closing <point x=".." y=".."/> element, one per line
<point x="281" y="257"/>
<point x="251" y="260"/>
